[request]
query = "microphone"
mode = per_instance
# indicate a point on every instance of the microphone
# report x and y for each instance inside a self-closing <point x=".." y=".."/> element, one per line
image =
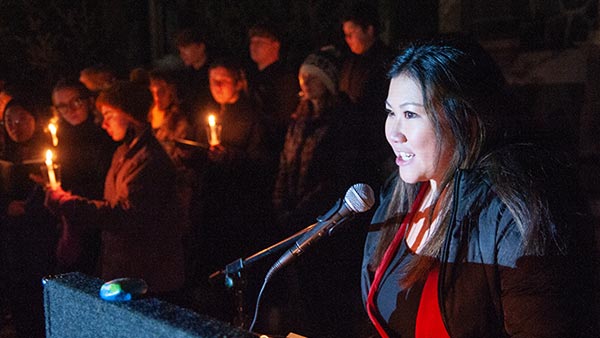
<point x="359" y="198"/>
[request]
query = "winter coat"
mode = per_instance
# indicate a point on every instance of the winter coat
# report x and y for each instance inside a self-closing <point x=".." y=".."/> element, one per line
<point x="488" y="286"/>
<point x="318" y="163"/>
<point x="141" y="231"/>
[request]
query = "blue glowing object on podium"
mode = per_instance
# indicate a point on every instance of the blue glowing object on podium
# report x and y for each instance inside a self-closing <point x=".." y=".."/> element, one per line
<point x="123" y="289"/>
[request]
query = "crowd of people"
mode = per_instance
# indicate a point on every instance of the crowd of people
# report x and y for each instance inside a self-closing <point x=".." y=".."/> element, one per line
<point x="174" y="172"/>
<point x="149" y="189"/>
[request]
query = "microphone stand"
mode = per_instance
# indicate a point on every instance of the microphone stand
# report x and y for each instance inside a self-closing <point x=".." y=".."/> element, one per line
<point x="234" y="278"/>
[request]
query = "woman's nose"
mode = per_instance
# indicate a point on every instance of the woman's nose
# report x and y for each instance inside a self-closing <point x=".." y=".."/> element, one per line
<point x="396" y="133"/>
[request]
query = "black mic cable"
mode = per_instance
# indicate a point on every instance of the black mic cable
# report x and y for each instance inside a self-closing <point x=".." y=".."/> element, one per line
<point x="359" y="198"/>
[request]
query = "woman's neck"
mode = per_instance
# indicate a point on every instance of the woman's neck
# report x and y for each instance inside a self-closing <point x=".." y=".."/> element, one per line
<point x="425" y="220"/>
<point x="157" y="117"/>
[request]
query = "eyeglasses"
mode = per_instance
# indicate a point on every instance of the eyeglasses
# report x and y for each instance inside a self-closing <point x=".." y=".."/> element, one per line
<point x="73" y="104"/>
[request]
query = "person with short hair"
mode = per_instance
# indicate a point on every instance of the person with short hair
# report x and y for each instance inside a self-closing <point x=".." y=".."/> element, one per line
<point x="363" y="79"/>
<point x="232" y="197"/>
<point x="138" y="216"/>
<point x="272" y="84"/>
<point x="192" y="46"/>
<point x="363" y="74"/>
<point x="194" y="50"/>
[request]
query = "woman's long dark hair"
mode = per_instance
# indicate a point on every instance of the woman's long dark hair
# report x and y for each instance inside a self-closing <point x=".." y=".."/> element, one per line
<point x="465" y="98"/>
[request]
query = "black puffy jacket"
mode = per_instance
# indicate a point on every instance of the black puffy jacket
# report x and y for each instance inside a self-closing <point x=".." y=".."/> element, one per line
<point x="487" y="286"/>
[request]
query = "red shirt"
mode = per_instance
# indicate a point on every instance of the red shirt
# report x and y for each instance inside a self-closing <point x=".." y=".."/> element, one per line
<point x="429" y="316"/>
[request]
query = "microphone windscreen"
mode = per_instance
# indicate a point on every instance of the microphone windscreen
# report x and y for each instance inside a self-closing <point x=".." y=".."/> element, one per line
<point x="360" y="197"/>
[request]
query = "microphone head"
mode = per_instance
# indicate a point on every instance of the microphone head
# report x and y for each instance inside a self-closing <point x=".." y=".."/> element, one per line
<point x="360" y="197"/>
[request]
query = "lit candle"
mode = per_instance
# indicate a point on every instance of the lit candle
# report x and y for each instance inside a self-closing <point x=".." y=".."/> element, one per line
<point x="50" y="167"/>
<point x="52" y="129"/>
<point x="214" y="137"/>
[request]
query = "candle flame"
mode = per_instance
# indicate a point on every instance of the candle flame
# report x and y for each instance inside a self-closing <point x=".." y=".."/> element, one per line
<point x="48" y="156"/>
<point x="211" y="120"/>
<point x="52" y="129"/>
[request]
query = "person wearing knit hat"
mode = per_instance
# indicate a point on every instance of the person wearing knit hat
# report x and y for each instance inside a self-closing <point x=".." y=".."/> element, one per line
<point x="319" y="149"/>
<point x="322" y="65"/>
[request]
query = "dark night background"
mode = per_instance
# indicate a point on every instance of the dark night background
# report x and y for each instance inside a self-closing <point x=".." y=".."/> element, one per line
<point x="549" y="50"/>
<point x="42" y="39"/>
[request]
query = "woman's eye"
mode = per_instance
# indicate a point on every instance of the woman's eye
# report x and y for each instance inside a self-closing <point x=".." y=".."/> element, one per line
<point x="390" y="112"/>
<point x="410" y="115"/>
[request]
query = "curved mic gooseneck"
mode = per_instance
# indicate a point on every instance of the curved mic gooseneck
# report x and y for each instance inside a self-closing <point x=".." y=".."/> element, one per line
<point x="359" y="198"/>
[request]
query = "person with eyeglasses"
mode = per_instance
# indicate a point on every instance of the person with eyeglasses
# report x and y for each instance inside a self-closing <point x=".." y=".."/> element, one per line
<point x="84" y="152"/>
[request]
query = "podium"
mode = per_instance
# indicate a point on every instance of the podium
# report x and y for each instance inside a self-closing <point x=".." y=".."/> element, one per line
<point x="73" y="308"/>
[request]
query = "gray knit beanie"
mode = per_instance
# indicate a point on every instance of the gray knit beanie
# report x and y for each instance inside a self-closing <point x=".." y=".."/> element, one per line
<point x="323" y="65"/>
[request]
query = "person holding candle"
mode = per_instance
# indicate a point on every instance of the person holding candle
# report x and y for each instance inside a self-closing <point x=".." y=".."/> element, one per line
<point x="243" y="133"/>
<point x="27" y="230"/>
<point x="138" y="216"/>
<point x="232" y="202"/>
<point x="84" y="149"/>
<point x="84" y="152"/>
<point x="479" y="233"/>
